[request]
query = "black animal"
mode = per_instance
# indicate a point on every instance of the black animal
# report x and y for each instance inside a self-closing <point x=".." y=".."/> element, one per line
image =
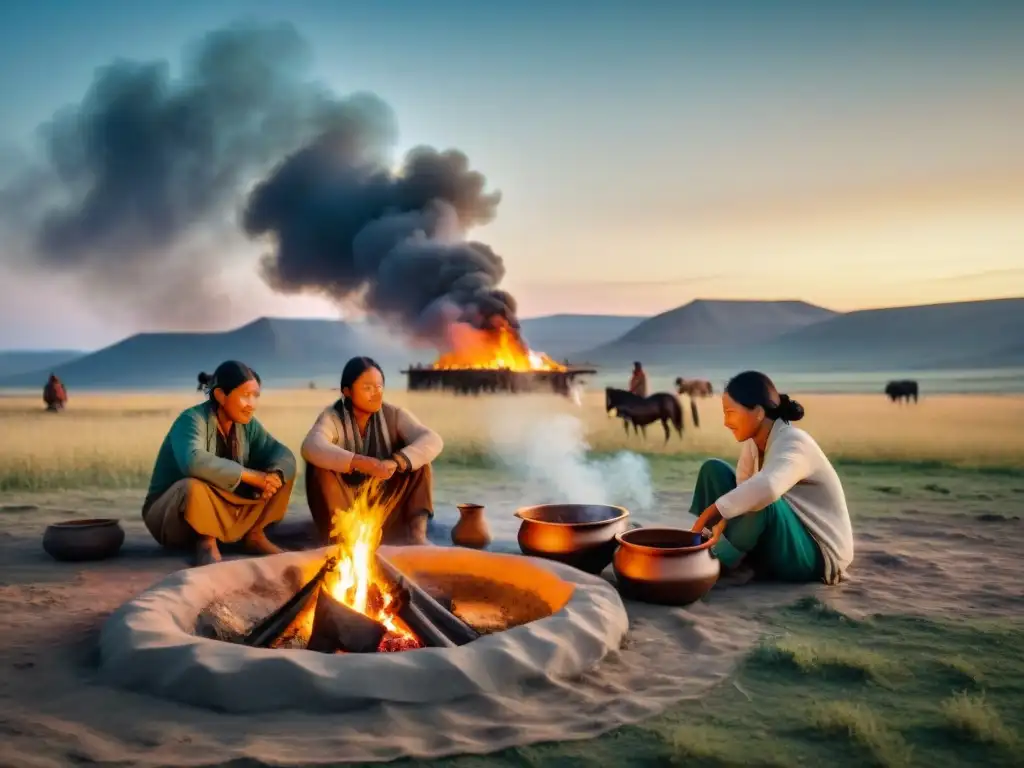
<point x="641" y="411"/>
<point x="903" y="389"/>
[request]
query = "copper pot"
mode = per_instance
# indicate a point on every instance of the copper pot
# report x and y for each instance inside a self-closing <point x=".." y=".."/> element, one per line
<point x="580" y="535"/>
<point x="671" y="566"/>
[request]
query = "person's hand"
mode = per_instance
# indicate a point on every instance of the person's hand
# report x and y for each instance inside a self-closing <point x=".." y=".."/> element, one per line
<point x="272" y="484"/>
<point x="388" y="467"/>
<point x="254" y="478"/>
<point x="708" y="518"/>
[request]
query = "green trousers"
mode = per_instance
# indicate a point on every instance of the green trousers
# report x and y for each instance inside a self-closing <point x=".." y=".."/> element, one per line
<point x="772" y="540"/>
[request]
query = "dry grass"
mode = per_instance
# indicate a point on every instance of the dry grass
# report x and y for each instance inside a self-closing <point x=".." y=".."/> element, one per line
<point x="863" y="727"/>
<point x="973" y="718"/>
<point x="829" y="658"/>
<point x="111" y="439"/>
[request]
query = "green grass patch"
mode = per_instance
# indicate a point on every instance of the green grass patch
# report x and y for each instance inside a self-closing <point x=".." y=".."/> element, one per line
<point x="823" y="689"/>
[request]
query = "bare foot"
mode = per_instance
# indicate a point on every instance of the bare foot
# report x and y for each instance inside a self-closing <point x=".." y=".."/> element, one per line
<point x="736" y="576"/>
<point x="258" y="543"/>
<point x="207" y="552"/>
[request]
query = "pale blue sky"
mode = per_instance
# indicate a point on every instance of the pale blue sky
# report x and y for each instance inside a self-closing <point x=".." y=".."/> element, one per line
<point x="866" y="154"/>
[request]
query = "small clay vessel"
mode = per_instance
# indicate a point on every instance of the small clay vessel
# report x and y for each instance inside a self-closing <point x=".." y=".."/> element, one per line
<point x="471" y="530"/>
<point x="83" y="539"/>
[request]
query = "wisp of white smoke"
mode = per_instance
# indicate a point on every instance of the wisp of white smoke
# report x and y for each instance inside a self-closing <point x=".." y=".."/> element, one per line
<point x="549" y="453"/>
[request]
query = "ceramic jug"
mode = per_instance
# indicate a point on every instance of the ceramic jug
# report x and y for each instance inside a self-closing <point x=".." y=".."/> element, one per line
<point x="471" y="530"/>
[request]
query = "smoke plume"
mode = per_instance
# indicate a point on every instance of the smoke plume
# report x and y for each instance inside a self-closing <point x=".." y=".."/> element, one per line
<point x="549" y="453"/>
<point x="348" y="227"/>
<point x="140" y="186"/>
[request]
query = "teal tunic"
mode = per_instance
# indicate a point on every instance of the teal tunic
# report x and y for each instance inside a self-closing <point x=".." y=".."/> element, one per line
<point x="190" y="450"/>
<point x="772" y="540"/>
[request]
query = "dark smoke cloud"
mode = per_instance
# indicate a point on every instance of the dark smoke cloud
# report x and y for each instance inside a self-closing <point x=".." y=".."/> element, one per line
<point x="143" y="181"/>
<point x="393" y="240"/>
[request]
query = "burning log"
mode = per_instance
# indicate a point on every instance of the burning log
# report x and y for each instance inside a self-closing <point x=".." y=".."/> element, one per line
<point x="272" y="627"/>
<point x="447" y="623"/>
<point x="338" y="627"/>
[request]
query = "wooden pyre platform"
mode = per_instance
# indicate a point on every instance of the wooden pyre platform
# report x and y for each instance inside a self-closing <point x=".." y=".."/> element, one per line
<point x="475" y="381"/>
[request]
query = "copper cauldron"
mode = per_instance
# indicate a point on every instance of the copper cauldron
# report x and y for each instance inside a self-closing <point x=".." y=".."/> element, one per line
<point x="579" y="535"/>
<point x="671" y="566"/>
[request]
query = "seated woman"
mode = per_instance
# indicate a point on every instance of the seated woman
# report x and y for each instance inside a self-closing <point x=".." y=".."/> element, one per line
<point x="783" y="511"/>
<point x="219" y="475"/>
<point x="361" y="438"/>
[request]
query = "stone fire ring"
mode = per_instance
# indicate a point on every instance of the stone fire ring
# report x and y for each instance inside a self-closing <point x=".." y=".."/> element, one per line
<point x="147" y="645"/>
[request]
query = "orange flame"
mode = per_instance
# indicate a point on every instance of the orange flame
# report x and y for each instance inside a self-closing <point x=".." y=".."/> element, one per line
<point x="355" y="580"/>
<point x="500" y="348"/>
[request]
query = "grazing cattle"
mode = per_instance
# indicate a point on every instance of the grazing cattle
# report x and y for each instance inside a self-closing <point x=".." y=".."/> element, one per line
<point x="641" y="411"/>
<point x="694" y="387"/>
<point x="903" y="389"/>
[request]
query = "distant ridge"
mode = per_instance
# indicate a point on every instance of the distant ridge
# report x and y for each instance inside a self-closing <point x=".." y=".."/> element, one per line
<point x="18" y="361"/>
<point x="284" y="349"/>
<point x="961" y="335"/>
<point x="561" y="335"/>
<point x="787" y="336"/>
<point x="709" y="325"/>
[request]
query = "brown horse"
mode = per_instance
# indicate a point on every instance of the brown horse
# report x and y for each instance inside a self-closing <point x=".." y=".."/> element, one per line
<point x="694" y="387"/>
<point x="641" y="411"/>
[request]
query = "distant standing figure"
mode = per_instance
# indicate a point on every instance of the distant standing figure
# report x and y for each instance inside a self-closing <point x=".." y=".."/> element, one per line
<point x="903" y="389"/>
<point x="638" y="381"/>
<point x="783" y="510"/>
<point x="219" y="476"/>
<point x="54" y="394"/>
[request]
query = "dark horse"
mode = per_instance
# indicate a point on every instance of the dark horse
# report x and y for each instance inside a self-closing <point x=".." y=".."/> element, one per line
<point x="641" y="411"/>
<point x="902" y="390"/>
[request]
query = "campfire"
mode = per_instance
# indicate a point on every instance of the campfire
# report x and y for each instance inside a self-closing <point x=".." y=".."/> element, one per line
<point x="358" y="602"/>
<point x="496" y="359"/>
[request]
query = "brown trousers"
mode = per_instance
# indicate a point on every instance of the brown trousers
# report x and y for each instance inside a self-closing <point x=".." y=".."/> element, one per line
<point x="412" y="492"/>
<point x="191" y="508"/>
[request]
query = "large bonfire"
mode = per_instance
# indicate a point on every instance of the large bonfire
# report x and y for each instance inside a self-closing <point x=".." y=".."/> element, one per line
<point x="498" y="348"/>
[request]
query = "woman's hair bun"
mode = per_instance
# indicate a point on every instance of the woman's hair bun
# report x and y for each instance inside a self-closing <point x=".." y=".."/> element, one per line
<point x="204" y="378"/>
<point x="789" y="410"/>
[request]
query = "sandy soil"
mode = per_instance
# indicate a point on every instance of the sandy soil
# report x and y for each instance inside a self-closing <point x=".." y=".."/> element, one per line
<point x="926" y="552"/>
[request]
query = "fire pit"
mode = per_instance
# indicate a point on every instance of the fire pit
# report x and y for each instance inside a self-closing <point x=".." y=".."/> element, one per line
<point x="151" y="643"/>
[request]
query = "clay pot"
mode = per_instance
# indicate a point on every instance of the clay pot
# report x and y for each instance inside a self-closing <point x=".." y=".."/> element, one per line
<point x="83" y="539"/>
<point x="670" y="566"/>
<point x="580" y="535"/>
<point x="471" y="530"/>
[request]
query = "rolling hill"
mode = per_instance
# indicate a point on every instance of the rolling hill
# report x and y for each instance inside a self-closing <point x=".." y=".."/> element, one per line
<point x="28" y="361"/>
<point x="562" y="335"/>
<point x="706" y="330"/>
<point x="283" y="351"/>
<point x="963" y="335"/>
<point x="279" y="349"/>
